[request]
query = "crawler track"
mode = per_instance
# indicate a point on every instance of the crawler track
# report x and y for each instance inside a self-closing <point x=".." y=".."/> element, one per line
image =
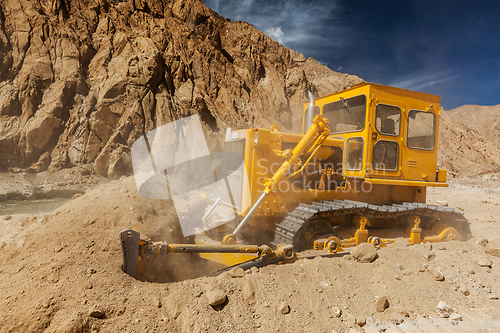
<point x="286" y="232"/>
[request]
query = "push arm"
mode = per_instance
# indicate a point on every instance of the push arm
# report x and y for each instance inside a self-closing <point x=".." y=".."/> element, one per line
<point x="309" y="144"/>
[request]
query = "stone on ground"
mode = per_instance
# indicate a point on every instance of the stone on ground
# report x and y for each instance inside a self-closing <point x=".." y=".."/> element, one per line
<point x="444" y="309"/>
<point x="436" y="273"/>
<point x="216" y="297"/>
<point x="364" y="253"/>
<point x="284" y="308"/>
<point x="485" y="262"/>
<point x="493" y="250"/>
<point x="381" y="303"/>
<point x="237" y="272"/>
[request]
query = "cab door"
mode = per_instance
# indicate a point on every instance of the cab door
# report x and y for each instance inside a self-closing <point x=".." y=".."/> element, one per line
<point x="386" y="138"/>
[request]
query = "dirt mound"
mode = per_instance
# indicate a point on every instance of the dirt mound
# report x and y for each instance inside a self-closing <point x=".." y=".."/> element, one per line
<point x="61" y="273"/>
<point x="73" y="254"/>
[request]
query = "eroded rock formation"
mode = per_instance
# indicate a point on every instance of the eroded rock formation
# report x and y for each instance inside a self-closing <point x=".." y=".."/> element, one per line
<point x="83" y="79"/>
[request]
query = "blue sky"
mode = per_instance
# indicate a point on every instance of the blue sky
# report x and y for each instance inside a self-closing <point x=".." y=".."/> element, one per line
<point x="446" y="48"/>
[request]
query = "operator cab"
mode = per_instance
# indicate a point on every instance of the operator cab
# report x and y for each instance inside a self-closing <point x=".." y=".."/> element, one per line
<point x="388" y="132"/>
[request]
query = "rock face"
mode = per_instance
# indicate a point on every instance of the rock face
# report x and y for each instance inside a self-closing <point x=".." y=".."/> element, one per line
<point x="466" y="147"/>
<point x="82" y="80"/>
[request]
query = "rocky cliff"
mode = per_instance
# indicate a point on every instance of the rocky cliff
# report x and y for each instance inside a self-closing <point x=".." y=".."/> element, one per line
<point x="469" y="140"/>
<point x="81" y="80"/>
<point x="481" y="118"/>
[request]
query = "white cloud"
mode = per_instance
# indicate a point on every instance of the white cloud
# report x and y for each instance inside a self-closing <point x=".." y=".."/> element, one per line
<point x="304" y="26"/>
<point x="275" y="33"/>
<point x="423" y="81"/>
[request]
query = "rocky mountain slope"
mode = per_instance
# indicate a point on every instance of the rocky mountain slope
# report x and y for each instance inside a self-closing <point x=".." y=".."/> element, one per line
<point x="81" y="80"/>
<point x="483" y="118"/>
<point x="469" y="140"/>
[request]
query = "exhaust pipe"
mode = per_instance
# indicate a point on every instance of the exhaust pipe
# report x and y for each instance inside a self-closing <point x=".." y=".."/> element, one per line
<point x="310" y="113"/>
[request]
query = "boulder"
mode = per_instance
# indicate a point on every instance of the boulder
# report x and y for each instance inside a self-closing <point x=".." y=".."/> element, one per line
<point x="284" y="308"/>
<point x="42" y="164"/>
<point x="436" y="273"/>
<point x="485" y="262"/>
<point x="444" y="309"/>
<point x="120" y="163"/>
<point x="364" y="253"/>
<point x="237" y="272"/>
<point x="216" y="297"/>
<point x="381" y="303"/>
<point x="41" y="135"/>
<point x="360" y="320"/>
<point x="248" y="292"/>
<point x="96" y="312"/>
<point x="493" y="249"/>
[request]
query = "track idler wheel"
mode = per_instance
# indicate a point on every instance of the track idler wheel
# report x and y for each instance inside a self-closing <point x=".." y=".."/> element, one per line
<point x="375" y="241"/>
<point x="447" y="234"/>
<point x="333" y="245"/>
<point x="311" y="230"/>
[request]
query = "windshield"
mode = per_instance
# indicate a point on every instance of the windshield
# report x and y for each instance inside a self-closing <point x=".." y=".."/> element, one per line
<point x="346" y="115"/>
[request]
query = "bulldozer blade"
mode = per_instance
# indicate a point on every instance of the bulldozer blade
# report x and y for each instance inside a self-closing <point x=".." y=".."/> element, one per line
<point x="130" y="251"/>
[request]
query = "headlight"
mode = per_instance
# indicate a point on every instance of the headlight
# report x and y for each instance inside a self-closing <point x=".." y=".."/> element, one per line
<point x="256" y="137"/>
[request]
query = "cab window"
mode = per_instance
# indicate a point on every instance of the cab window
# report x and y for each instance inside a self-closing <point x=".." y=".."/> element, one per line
<point x="385" y="155"/>
<point x="421" y="129"/>
<point x="346" y="115"/>
<point x="387" y="119"/>
<point x="354" y="155"/>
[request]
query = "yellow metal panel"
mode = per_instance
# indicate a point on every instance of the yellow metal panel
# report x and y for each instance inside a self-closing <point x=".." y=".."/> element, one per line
<point x="228" y="259"/>
<point x="442" y="176"/>
<point x="416" y="164"/>
<point x="403" y="182"/>
<point x="263" y="137"/>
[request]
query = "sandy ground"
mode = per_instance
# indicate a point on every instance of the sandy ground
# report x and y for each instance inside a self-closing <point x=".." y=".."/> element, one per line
<point x="76" y="178"/>
<point x="479" y="199"/>
<point x="61" y="272"/>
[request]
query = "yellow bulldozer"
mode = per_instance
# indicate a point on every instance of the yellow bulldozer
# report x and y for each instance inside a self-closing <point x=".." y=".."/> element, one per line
<point x="357" y="173"/>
